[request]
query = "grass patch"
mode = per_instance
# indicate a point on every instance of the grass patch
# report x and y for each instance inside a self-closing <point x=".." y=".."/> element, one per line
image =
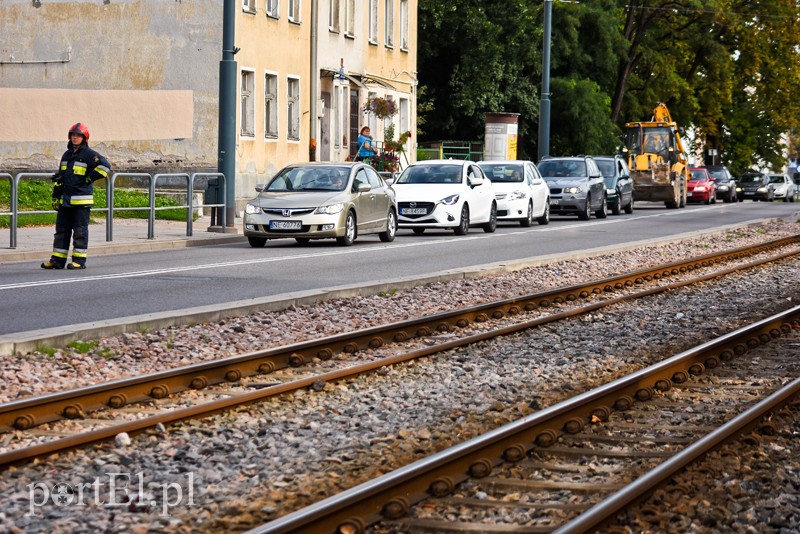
<point x="46" y="350"/>
<point x="388" y="294"/>
<point x="36" y="195"/>
<point x="82" y="347"/>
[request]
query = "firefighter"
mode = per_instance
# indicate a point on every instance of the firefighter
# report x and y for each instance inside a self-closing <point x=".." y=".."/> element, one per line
<point x="73" y="196"/>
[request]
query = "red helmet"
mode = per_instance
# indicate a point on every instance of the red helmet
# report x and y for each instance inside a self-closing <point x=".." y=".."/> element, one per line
<point x="80" y="129"/>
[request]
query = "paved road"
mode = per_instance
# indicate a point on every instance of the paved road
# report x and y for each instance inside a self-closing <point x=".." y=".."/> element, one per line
<point x="197" y="282"/>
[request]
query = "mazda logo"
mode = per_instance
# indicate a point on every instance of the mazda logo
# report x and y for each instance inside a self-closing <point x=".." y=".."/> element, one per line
<point x="287" y="213"/>
<point x="412" y="204"/>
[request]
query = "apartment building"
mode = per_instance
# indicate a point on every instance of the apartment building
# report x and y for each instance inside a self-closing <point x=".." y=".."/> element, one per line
<point x="144" y="75"/>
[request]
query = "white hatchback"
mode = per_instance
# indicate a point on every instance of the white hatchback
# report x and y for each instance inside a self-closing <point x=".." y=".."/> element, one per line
<point x="522" y="194"/>
<point x="450" y="194"/>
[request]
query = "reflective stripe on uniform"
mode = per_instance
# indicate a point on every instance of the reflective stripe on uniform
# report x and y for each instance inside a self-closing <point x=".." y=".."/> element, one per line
<point x="81" y="200"/>
<point x="78" y="253"/>
<point x="102" y="170"/>
<point x="60" y="253"/>
<point x="79" y="169"/>
<point x="63" y="165"/>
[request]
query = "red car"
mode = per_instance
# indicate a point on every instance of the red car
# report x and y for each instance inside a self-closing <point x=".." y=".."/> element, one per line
<point x="701" y="187"/>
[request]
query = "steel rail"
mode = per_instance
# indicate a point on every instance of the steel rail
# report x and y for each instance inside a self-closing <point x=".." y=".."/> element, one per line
<point x="606" y="510"/>
<point x="391" y="495"/>
<point x="24" y="414"/>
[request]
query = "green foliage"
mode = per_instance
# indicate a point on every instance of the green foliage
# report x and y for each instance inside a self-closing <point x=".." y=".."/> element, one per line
<point x="37" y="196"/>
<point x="82" y="347"/>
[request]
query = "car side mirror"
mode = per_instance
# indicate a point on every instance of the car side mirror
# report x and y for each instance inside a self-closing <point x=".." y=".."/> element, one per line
<point x="259" y="188"/>
<point x="363" y="188"/>
<point x="474" y="181"/>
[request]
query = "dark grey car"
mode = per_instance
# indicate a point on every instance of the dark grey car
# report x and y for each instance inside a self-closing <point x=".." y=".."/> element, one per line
<point x="619" y="186"/>
<point x="726" y="183"/>
<point x="576" y="186"/>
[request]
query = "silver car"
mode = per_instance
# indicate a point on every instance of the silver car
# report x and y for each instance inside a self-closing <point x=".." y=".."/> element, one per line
<point x="576" y="186"/>
<point x="323" y="200"/>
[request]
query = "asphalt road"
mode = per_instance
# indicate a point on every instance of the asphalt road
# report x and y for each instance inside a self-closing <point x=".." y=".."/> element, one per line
<point x="172" y="282"/>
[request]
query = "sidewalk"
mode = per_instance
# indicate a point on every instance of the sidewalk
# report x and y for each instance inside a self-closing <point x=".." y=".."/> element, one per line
<point x="129" y="235"/>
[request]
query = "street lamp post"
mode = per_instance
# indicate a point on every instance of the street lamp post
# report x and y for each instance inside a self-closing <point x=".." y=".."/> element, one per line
<point x="227" y="110"/>
<point x="544" y="101"/>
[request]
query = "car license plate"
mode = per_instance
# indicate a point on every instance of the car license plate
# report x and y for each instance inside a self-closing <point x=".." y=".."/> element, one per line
<point x="285" y="225"/>
<point x="413" y="211"/>
<point x="689" y="194"/>
<point x="749" y="193"/>
<point x="555" y="201"/>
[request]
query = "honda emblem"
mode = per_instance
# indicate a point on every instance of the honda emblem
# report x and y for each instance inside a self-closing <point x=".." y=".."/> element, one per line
<point x="287" y="213"/>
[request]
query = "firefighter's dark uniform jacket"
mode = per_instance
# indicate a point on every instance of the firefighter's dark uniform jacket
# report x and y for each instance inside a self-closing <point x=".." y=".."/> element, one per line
<point x="79" y="169"/>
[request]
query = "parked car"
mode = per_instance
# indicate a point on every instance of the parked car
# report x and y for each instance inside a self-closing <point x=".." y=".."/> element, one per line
<point x="756" y="186"/>
<point x="320" y="201"/>
<point x="701" y="187"/>
<point x="619" y="186"/>
<point x="783" y="187"/>
<point x="521" y="193"/>
<point x="451" y="194"/>
<point x="726" y="183"/>
<point x="576" y="186"/>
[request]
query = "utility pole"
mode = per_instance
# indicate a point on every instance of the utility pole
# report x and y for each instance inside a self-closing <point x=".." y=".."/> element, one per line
<point x="227" y="110"/>
<point x="544" y="101"/>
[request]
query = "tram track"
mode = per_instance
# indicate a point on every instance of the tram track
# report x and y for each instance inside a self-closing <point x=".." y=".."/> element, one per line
<point x="27" y="414"/>
<point x="544" y="456"/>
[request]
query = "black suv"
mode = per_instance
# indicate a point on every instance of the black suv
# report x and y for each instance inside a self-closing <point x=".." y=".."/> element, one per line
<point x="726" y="183"/>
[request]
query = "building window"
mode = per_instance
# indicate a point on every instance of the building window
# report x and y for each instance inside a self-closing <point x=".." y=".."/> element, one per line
<point x="270" y="106"/>
<point x="373" y="21"/>
<point x="293" y="108"/>
<point x="249" y="6"/>
<point x="294" y="11"/>
<point x="337" y="133"/>
<point x="404" y="25"/>
<point x="388" y="121"/>
<point x="389" y="18"/>
<point x="403" y="116"/>
<point x="333" y="22"/>
<point x="350" y="18"/>
<point x="273" y="8"/>
<point x="248" y="106"/>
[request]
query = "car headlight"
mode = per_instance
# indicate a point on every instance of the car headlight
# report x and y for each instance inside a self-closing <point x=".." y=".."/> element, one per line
<point x="722" y="188"/>
<point x="516" y="195"/>
<point x="762" y="189"/>
<point x="572" y="190"/>
<point x="738" y="188"/>
<point x="330" y="209"/>
<point x="700" y="188"/>
<point x="611" y="191"/>
<point x="449" y="201"/>
<point x="252" y="209"/>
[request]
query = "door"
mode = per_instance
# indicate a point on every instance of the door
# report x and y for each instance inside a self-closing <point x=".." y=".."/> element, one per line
<point x="325" y="129"/>
<point x="379" y="201"/>
<point x="539" y="190"/>
<point x="355" y="116"/>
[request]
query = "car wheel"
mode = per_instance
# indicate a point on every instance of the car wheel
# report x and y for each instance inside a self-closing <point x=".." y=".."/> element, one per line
<point x="586" y="213"/>
<point x="463" y="224"/>
<point x="257" y="242"/>
<point x="391" y="228"/>
<point x="302" y="240"/>
<point x="602" y="213"/>
<point x="545" y="218"/>
<point x="349" y="231"/>
<point x="528" y="221"/>
<point x="616" y="208"/>
<point x="418" y="231"/>
<point x="629" y="207"/>
<point x="491" y="226"/>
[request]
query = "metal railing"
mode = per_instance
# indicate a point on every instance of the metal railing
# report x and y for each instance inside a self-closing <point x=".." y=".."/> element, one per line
<point x="110" y="208"/>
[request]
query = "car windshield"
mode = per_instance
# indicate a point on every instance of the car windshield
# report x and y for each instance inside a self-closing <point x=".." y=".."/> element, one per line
<point x="569" y="168"/>
<point x="503" y="173"/>
<point x="719" y="176"/>
<point x="699" y="175"/>
<point x="431" y="174"/>
<point x="316" y="178"/>
<point x="750" y="179"/>
<point x="776" y="179"/>
<point x="606" y="167"/>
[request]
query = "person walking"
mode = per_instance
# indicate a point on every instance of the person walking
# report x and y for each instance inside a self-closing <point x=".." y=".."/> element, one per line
<point x="365" y="149"/>
<point x="73" y="196"/>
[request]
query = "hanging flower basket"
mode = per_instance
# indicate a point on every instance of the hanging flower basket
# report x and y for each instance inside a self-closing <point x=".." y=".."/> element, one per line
<point x="383" y="108"/>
